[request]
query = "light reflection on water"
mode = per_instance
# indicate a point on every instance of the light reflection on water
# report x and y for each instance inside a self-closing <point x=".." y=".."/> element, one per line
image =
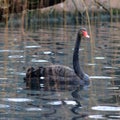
<point x="45" y="47"/>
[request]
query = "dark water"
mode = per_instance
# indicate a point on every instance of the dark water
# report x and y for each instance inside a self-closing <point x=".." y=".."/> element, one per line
<point x="99" y="56"/>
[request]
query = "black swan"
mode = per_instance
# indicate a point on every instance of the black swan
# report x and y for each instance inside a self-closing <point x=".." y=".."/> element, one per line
<point x="59" y="74"/>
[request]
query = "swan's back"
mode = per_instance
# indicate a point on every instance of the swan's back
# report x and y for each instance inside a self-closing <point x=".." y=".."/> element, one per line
<point x="60" y="71"/>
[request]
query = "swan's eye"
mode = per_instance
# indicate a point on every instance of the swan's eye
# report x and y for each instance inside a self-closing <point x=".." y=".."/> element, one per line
<point x="85" y="34"/>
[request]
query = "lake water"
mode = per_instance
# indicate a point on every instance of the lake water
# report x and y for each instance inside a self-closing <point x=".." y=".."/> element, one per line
<point x="99" y="56"/>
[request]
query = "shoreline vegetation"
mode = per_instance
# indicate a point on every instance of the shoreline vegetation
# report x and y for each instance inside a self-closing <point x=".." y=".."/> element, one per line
<point x="66" y="12"/>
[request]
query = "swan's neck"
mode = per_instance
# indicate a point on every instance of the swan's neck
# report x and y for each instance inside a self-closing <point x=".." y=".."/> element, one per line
<point x="76" y="64"/>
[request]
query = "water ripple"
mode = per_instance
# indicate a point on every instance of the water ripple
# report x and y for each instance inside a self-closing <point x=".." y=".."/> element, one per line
<point x="17" y="99"/>
<point x="11" y="51"/>
<point x="15" y="56"/>
<point x="107" y="116"/>
<point x="34" y="60"/>
<point x="32" y="46"/>
<point x="47" y="52"/>
<point x="99" y="58"/>
<point x="96" y="116"/>
<point x="4" y="106"/>
<point x="68" y="102"/>
<point x="106" y="108"/>
<point x="33" y="109"/>
<point x="3" y="78"/>
<point x="101" y="77"/>
<point x="18" y="73"/>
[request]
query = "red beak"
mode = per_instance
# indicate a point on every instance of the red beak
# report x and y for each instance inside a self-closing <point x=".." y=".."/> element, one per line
<point x="85" y="34"/>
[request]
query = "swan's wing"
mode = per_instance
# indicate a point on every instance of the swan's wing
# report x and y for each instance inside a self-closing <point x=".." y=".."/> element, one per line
<point x="59" y="70"/>
<point x="63" y="74"/>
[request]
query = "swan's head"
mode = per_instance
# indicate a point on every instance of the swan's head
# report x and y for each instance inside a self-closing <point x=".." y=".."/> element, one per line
<point x="83" y="33"/>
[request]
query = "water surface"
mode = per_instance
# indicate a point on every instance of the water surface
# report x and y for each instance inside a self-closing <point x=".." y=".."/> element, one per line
<point x="99" y="56"/>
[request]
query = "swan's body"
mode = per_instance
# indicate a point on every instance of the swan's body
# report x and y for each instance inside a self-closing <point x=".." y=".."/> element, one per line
<point x="60" y="73"/>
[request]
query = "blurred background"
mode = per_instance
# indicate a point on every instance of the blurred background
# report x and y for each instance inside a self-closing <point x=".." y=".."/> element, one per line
<point x="43" y="32"/>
